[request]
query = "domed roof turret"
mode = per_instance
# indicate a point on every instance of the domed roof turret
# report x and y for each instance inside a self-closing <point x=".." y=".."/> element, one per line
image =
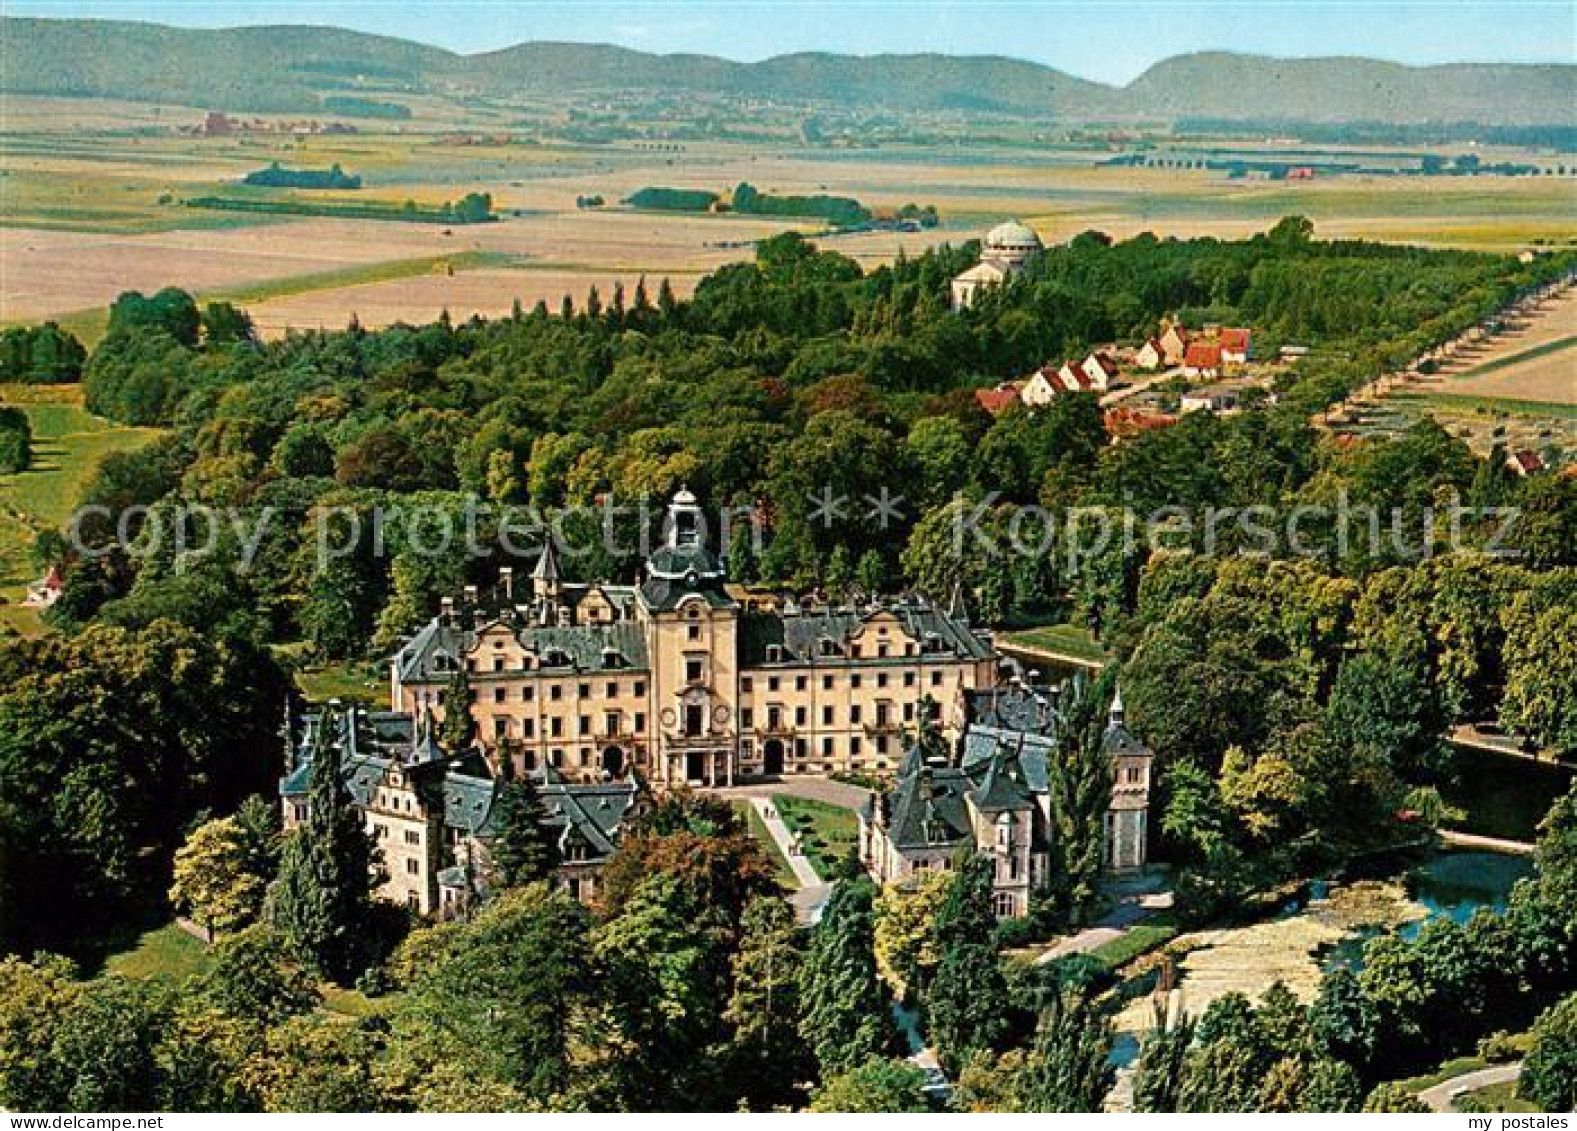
<point x="1012" y="236"/>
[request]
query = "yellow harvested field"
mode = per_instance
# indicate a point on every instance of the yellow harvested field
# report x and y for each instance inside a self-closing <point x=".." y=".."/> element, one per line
<point x="1535" y="360"/>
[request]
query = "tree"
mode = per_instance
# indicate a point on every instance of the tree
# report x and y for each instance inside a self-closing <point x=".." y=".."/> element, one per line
<point x="1549" y="1074"/>
<point x="215" y="877"/>
<point x="845" y="1012"/>
<point x="1393" y="1098"/>
<point x="1079" y="781"/>
<point x="1332" y="1086"/>
<point x="255" y="978"/>
<point x="521" y="851"/>
<point x="767" y="1059"/>
<point x="1158" y="1075"/>
<point x="16" y="441"/>
<point x="107" y="1047"/>
<point x="878" y="1085"/>
<point x="1069" y="1066"/>
<point x="35" y="999"/>
<point x="321" y="901"/>
<point x="907" y="950"/>
<point x="457" y="727"/>
<point x="964" y="1001"/>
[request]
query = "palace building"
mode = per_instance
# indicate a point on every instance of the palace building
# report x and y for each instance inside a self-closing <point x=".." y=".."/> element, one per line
<point x="430" y="811"/>
<point x="994" y="798"/>
<point x="678" y="680"/>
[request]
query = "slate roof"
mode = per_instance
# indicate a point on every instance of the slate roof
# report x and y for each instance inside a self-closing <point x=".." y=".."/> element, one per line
<point x="800" y="634"/>
<point x="431" y="655"/>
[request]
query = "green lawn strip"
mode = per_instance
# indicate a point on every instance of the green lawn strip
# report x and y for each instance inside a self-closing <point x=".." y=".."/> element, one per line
<point x="1466" y="402"/>
<point x="1496" y="1098"/>
<point x="1513" y="359"/>
<point x="348" y="680"/>
<point x="758" y="829"/>
<point x="1062" y="639"/>
<point x="826" y="832"/>
<point x="1137" y="941"/>
<point x="166" y="952"/>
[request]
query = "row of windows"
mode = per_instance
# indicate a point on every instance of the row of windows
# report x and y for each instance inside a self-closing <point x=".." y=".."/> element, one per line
<point x="555" y="693"/>
<point x="612" y="726"/>
<point x="774" y="718"/>
<point x="801" y="683"/>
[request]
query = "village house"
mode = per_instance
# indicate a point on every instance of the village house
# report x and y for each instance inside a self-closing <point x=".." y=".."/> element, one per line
<point x="1101" y="370"/>
<point x="1237" y="345"/>
<point x="1523" y="463"/>
<point x="1173" y="342"/>
<point x="677" y="679"/>
<point x="997" y="399"/>
<point x="1040" y="387"/>
<point x="1150" y="356"/>
<point x="995" y="798"/>
<point x="1004" y="253"/>
<point x="430" y="811"/>
<point x="1211" y="398"/>
<point x="1202" y="359"/>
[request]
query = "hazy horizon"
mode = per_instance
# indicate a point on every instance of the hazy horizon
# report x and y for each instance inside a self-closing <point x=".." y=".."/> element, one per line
<point x="1106" y="42"/>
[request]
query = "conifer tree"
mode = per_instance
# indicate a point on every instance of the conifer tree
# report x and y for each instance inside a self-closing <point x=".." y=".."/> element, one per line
<point x="1079" y="781"/>
<point x="1158" y="1077"/>
<point x="522" y="852"/>
<point x="455" y="732"/>
<point x="845" y="1013"/>
<point x="1069" y="1066"/>
<point x="965" y="999"/>
<point x="321" y="901"/>
<point x="767" y="1056"/>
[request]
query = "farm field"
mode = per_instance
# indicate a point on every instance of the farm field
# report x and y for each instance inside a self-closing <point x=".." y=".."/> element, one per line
<point x="87" y="214"/>
<point x="1536" y="361"/>
<point x="68" y="443"/>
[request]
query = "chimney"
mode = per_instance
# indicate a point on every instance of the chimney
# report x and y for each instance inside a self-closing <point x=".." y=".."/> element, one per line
<point x="446" y="610"/>
<point x="506" y="579"/>
<point x="470" y="594"/>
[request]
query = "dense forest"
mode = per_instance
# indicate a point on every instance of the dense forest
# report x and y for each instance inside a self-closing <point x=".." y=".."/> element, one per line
<point x="1296" y="703"/>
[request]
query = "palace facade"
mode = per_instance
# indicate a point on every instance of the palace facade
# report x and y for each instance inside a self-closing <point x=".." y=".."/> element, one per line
<point x="676" y="678"/>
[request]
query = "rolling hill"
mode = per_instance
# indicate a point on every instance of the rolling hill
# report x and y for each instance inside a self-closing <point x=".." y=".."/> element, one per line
<point x="293" y="69"/>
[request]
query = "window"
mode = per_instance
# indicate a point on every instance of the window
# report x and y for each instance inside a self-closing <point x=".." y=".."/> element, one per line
<point x="694" y="720"/>
<point x="881" y="744"/>
<point x="555" y="693"/>
<point x="936" y="679"/>
<point x="612" y="691"/>
<point x="528" y="727"/>
<point x="583" y="725"/>
<point x="413" y="866"/>
<point x="826" y="683"/>
<point x="693" y="631"/>
<point x="826" y="716"/>
<point x="498" y="663"/>
<point x="527" y="693"/>
<point x="881" y="680"/>
<point x="413" y="836"/>
<point x="746" y="718"/>
<point x="746" y="683"/>
<point x="498" y="694"/>
<point x="1002" y="904"/>
<point x="826" y="748"/>
<point x="583" y="690"/>
<point x="640" y="721"/>
<point x="555" y="727"/>
<point x="799" y="716"/>
<point x="854" y="714"/>
<point x="693" y="671"/>
<point x="854" y="680"/>
<point x="854" y="747"/>
<point x="772" y="683"/>
<point x="500" y="728"/>
<point x="640" y="687"/>
<point x="610" y="722"/>
<point x="908" y="679"/>
<point x="799" y="683"/>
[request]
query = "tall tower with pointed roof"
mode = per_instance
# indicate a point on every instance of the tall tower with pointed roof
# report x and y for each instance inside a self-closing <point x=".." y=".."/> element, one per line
<point x="1127" y="821"/>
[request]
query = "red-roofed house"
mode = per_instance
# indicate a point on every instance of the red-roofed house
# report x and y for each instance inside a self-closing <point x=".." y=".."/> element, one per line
<point x="996" y="401"/>
<point x="1203" y="359"/>
<point x="1124" y="422"/>
<point x="1100" y="369"/>
<point x="1150" y="355"/>
<point x="46" y="592"/>
<point x="1524" y="463"/>
<point x="1236" y="345"/>
<point x="1040" y="387"/>
<point x="1073" y="377"/>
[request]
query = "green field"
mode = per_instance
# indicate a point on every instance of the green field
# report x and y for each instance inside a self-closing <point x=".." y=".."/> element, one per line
<point x="1505" y="406"/>
<point x="166" y="952"/>
<point x="828" y="833"/>
<point x="758" y="829"/>
<point x="1058" y="639"/>
<point x="68" y="443"/>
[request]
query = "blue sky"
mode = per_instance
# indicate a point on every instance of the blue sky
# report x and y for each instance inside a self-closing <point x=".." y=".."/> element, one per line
<point x="1109" y="42"/>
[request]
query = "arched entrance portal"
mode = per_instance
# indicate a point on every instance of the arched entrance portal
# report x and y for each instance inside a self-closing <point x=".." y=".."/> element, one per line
<point x="772" y="757"/>
<point x="613" y="762"/>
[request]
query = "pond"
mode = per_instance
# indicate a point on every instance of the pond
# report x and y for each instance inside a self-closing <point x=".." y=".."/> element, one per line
<point x="1503" y="795"/>
<point x="1449" y="884"/>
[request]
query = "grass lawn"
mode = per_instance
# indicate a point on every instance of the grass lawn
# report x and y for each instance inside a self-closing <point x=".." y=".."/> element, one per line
<point x="367" y="682"/>
<point x="1504" y="406"/>
<point x="165" y="952"/>
<point x="1141" y="939"/>
<point x="1496" y="1097"/>
<point x="758" y="829"/>
<point x="827" y="832"/>
<point x="68" y="443"/>
<point x="1059" y="639"/>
